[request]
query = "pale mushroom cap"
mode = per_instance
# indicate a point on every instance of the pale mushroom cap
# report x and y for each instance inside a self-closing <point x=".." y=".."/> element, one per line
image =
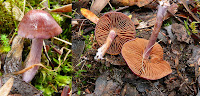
<point x="154" y="68"/>
<point x="38" y="24"/>
<point x="121" y="24"/>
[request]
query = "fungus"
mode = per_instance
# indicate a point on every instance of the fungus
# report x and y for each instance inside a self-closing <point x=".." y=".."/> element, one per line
<point x="162" y="10"/>
<point x="37" y="25"/>
<point x="112" y="30"/>
<point x="153" y="68"/>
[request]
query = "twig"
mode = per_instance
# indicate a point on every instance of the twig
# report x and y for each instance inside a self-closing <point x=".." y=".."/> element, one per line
<point x="66" y="53"/>
<point x="24" y="6"/>
<point x="110" y="6"/>
<point x="65" y="15"/>
<point x="46" y="54"/>
<point x="187" y="8"/>
<point x="121" y="8"/>
<point x="32" y="66"/>
<point x="79" y="19"/>
<point x="156" y="88"/>
<point x="30" y="6"/>
<point x="62" y="40"/>
<point x="176" y="17"/>
<point x="79" y="32"/>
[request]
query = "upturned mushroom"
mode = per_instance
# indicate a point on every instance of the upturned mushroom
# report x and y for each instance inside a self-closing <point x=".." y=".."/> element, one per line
<point x="37" y="25"/>
<point x="145" y="57"/>
<point x="162" y="10"/>
<point x="112" y="30"/>
<point x="153" y="68"/>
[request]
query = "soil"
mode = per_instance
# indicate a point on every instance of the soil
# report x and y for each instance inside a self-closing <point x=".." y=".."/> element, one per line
<point x="112" y="77"/>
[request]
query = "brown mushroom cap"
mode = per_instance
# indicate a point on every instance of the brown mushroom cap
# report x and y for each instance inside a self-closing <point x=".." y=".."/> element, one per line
<point x="38" y="24"/>
<point x="121" y="24"/>
<point x="153" y="68"/>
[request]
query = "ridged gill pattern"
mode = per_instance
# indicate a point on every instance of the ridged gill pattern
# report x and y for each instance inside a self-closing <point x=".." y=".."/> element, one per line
<point x="121" y="24"/>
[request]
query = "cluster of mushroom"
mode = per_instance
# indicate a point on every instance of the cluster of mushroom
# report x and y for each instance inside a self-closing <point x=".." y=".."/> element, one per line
<point x="115" y="33"/>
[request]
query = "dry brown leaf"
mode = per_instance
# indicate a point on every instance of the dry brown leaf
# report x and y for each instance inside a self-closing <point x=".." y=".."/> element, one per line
<point x="66" y="8"/>
<point x="89" y="15"/>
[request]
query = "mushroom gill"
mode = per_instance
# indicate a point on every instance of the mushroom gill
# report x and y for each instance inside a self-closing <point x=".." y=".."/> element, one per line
<point x="152" y="68"/>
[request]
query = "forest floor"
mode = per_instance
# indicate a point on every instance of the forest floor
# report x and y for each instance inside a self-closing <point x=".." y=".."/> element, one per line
<point x="179" y="37"/>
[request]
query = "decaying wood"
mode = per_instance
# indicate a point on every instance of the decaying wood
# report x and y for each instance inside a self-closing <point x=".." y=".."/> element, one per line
<point x="14" y="57"/>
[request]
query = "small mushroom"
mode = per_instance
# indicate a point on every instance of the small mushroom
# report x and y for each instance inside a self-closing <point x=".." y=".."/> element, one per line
<point x="152" y="68"/>
<point x="112" y="30"/>
<point x="37" y="25"/>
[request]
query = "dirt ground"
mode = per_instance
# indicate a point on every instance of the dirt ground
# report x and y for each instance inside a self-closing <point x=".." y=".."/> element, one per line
<point x="112" y="76"/>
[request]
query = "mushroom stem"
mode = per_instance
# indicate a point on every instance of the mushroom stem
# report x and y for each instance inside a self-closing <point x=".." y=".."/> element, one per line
<point x="102" y="50"/>
<point x="34" y="58"/>
<point x="159" y="20"/>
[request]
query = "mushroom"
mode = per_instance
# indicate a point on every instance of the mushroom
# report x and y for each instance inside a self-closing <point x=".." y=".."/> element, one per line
<point x="153" y="68"/>
<point x="162" y="10"/>
<point x="112" y="30"/>
<point x="37" y="25"/>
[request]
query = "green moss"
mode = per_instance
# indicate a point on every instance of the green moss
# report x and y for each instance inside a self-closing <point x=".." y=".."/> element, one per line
<point x="5" y="46"/>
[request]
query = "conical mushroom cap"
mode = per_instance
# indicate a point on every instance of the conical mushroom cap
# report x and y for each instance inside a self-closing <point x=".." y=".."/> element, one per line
<point x="121" y="24"/>
<point x="38" y="24"/>
<point x="153" y="68"/>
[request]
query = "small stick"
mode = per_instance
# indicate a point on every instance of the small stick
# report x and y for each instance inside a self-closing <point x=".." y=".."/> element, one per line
<point x="62" y="40"/>
<point x="187" y="8"/>
<point x="24" y="6"/>
<point x="65" y="15"/>
<point x="110" y="6"/>
<point x="46" y="54"/>
<point x="121" y="8"/>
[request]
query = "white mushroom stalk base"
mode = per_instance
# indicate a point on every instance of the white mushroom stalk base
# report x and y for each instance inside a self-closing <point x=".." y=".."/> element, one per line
<point x="34" y="58"/>
<point x="102" y="50"/>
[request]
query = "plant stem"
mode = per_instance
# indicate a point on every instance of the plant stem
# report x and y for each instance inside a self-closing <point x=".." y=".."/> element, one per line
<point x="34" y="58"/>
<point x="159" y="20"/>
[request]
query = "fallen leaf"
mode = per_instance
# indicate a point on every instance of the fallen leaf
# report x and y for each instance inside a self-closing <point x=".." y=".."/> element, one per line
<point x="65" y="8"/>
<point x="89" y="15"/>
